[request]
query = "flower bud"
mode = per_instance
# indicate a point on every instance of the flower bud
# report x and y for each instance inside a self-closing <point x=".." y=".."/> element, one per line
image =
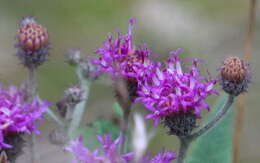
<point x="32" y="42"/>
<point x="73" y="56"/>
<point x="73" y="96"/>
<point x="234" y="76"/>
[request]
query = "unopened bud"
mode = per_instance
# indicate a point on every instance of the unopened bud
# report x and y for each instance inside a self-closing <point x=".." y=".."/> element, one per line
<point x="32" y="42"/>
<point x="73" y="56"/>
<point x="234" y="76"/>
<point x="73" y="96"/>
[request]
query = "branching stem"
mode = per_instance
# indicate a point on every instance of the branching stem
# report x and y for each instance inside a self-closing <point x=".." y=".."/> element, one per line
<point x="186" y="141"/>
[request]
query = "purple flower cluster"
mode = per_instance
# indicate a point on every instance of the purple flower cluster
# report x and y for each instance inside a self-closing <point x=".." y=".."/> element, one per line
<point x="119" y="57"/>
<point x="172" y="91"/>
<point x="16" y="115"/>
<point x="162" y="157"/>
<point x="111" y="154"/>
<point x="164" y="89"/>
<point x="110" y="149"/>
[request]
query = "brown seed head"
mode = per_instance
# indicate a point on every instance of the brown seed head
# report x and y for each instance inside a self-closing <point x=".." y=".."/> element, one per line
<point x="32" y="36"/>
<point x="234" y="69"/>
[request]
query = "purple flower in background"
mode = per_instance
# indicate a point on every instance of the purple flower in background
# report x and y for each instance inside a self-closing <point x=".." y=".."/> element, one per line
<point x="16" y="115"/>
<point x="109" y="147"/>
<point x="172" y="92"/>
<point x="111" y="153"/>
<point x="162" y="157"/>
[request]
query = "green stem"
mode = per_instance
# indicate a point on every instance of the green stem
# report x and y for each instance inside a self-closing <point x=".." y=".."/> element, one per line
<point x="220" y="115"/>
<point x="186" y="141"/>
<point x="184" y="146"/>
<point x="79" y="109"/>
<point x="32" y="87"/>
<point x="124" y="132"/>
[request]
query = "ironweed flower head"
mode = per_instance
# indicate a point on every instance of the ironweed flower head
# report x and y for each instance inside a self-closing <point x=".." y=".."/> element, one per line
<point x="111" y="153"/>
<point x="32" y="42"/>
<point x="234" y="76"/>
<point x="109" y="147"/>
<point x="161" y="157"/>
<point x="172" y="93"/>
<point x="120" y="58"/>
<point x="18" y="116"/>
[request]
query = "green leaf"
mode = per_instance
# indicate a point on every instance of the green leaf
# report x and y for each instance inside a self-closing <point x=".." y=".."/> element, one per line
<point x="216" y="145"/>
<point x="101" y="127"/>
<point x="118" y="110"/>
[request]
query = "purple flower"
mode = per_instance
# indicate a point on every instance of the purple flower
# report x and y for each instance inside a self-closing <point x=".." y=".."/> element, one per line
<point x="109" y="147"/>
<point x="111" y="153"/>
<point x="119" y="56"/>
<point x="16" y="115"/>
<point x="170" y="91"/>
<point x="162" y="157"/>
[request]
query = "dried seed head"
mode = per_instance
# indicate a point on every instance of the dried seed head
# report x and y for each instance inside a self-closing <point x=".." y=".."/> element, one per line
<point x="234" y="76"/>
<point x="32" y="42"/>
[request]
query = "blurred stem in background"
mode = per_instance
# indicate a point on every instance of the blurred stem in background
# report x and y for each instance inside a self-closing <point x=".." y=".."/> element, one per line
<point x="73" y="106"/>
<point x="80" y="108"/>
<point x="124" y="100"/>
<point x="239" y="119"/>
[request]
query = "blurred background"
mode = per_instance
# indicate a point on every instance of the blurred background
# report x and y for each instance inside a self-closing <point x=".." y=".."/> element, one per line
<point x="206" y="29"/>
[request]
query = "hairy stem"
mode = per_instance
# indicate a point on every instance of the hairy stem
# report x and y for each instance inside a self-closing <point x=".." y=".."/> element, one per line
<point x="185" y="141"/>
<point x="184" y="146"/>
<point x="124" y="132"/>
<point x="78" y="111"/>
<point x="220" y="115"/>
<point x="32" y="87"/>
<point x="32" y="84"/>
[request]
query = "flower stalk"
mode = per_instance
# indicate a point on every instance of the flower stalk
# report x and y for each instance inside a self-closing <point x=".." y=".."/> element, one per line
<point x="187" y="140"/>
<point x="80" y="108"/>
<point x="124" y="132"/>
<point x="32" y="87"/>
<point x="184" y="146"/>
